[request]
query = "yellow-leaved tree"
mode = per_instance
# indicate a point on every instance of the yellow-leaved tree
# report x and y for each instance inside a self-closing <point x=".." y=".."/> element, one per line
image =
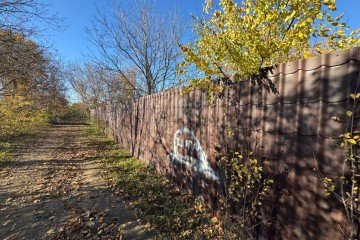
<point x="20" y="116"/>
<point x="242" y="40"/>
<point x="239" y="39"/>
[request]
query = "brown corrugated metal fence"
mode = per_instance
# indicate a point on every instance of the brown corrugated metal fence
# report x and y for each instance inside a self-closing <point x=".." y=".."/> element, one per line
<point x="182" y="134"/>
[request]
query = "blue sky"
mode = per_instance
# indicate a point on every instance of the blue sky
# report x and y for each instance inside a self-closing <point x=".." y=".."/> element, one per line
<point x="72" y="43"/>
<point x="77" y="14"/>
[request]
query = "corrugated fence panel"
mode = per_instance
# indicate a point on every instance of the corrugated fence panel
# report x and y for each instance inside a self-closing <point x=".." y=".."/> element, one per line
<point x="181" y="135"/>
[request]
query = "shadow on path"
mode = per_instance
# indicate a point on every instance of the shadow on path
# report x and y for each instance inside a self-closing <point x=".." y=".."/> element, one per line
<point x="53" y="189"/>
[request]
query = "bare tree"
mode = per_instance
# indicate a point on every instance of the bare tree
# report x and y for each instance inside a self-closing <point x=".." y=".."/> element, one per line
<point x="24" y="16"/>
<point x="141" y="39"/>
<point x="96" y="85"/>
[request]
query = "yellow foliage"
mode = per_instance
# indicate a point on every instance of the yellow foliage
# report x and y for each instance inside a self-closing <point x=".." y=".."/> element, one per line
<point x="238" y="39"/>
<point x="247" y="188"/>
<point x="18" y="115"/>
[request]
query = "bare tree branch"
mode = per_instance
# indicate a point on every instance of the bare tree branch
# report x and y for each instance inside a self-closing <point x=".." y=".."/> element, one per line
<point x="138" y="38"/>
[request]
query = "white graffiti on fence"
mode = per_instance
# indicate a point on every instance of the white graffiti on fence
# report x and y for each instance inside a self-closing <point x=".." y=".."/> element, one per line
<point x="188" y="152"/>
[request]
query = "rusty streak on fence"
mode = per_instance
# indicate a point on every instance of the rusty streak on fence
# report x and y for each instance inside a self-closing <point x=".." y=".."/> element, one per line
<point x="181" y="134"/>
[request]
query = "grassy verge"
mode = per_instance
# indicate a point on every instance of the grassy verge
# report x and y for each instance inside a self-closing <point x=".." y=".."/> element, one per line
<point x="173" y="213"/>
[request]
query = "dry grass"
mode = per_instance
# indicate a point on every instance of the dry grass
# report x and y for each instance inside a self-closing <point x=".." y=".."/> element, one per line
<point x="172" y="213"/>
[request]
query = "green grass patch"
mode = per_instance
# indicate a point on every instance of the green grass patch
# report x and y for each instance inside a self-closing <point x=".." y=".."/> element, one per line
<point x="173" y="213"/>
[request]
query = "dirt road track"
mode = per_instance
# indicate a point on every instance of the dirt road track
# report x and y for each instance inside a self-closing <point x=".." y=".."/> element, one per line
<point x="53" y="189"/>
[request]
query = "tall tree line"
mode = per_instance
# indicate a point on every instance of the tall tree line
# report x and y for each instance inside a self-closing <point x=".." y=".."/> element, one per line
<point x="32" y="83"/>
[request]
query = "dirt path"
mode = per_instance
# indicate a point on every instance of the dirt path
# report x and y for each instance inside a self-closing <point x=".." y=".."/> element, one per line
<point x="53" y="190"/>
